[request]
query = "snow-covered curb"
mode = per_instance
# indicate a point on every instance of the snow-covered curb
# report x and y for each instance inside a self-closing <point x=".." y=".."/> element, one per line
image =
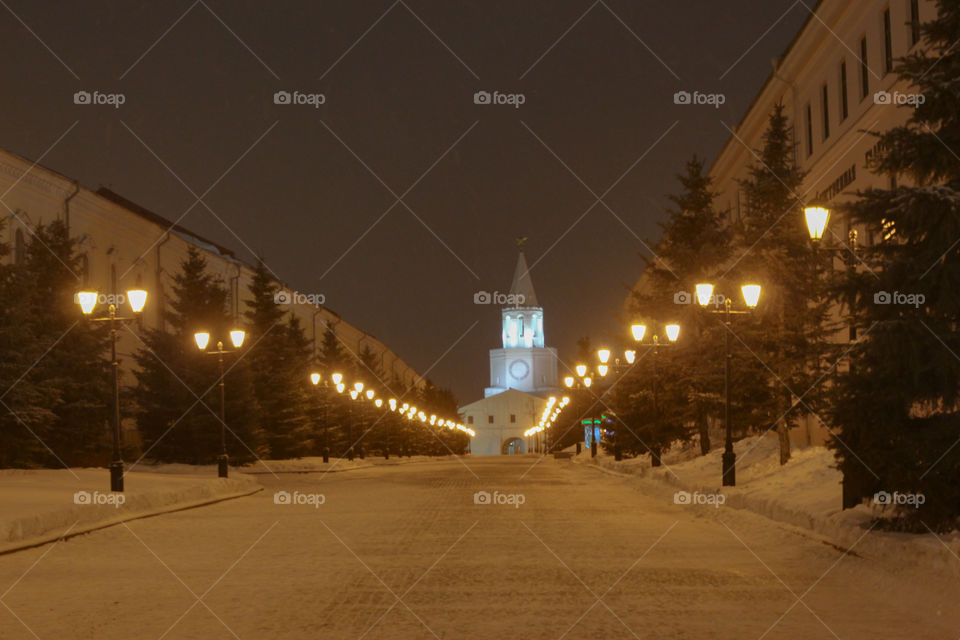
<point x="63" y="518"/>
<point x="316" y="464"/>
<point x="804" y="493"/>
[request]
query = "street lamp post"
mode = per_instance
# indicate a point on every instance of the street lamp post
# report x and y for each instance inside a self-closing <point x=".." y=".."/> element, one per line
<point x="317" y="379"/>
<point x="88" y="301"/>
<point x="202" y="339"/>
<point x="751" y="296"/>
<point x="639" y="331"/>
<point x="817" y="218"/>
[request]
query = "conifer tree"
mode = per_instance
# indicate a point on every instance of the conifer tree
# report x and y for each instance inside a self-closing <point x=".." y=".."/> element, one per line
<point x="175" y="425"/>
<point x="897" y="410"/>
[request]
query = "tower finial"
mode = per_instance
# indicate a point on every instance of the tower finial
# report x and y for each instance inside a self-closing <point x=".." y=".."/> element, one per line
<point x="522" y="240"/>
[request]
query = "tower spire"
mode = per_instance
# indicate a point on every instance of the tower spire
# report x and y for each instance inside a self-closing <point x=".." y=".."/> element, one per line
<point x="522" y="284"/>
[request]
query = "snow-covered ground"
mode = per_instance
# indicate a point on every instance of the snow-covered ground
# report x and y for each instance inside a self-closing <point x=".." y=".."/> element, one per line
<point x="419" y="551"/>
<point x="805" y="492"/>
<point x="44" y="503"/>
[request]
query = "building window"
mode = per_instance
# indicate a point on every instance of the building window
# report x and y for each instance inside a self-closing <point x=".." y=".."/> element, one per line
<point x="824" y="98"/>
<point x="489" y="419"/>
<point x="864" y="69"/>
<point x="843" y="91"/>
<point x="19" y="247"/>
<point x="513" y="418"/>
<point x="469" y="419"/>
<point x="809" y="113"/>
<point x="914" y="22"/>
<point x="887" y="42"/>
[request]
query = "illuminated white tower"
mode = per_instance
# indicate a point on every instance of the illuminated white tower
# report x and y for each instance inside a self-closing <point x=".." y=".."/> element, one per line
<point x="524" y="363"/>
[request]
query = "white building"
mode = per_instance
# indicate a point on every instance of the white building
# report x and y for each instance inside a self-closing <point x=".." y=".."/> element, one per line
<point x="523" y="374"/>
<point x="127" y="246"/>
<point x="836" y="83"/>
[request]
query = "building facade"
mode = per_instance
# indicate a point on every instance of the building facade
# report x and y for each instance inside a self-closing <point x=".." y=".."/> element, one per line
<point x="837" y="85"/>
<point x="126" y="246"/>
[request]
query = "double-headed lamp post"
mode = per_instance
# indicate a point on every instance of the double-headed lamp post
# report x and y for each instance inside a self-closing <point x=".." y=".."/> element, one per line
<point x="583" y="380"/>
<point x="751" y="296"/>
<point x="88" y="301"/>
<point x="336" y="379"/>
<point x="639" y="332"/>
<point x="202" y="339"/>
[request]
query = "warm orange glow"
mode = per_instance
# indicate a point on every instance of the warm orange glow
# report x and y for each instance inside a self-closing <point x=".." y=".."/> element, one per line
<point x="751" y="294"/>
<point x="602" y="370"/>
<point x="817" y="218"/>
<point x="358" y="386"/>
<point x="202" y="338"/>
<point x="603" y="355"/>
<point x="630" y="355"/>
<point x="673" y="332"/>
<point x="315" y="378"/>
<point x="568" y="381"/>
<point x="638" y="331"/>
<point x="87" y="301"/>
<point x="237" y="337"/>
<point x="137" y="298"/>
<point x="581" y="370"/>
<point x="704" y="294"/>
<point x="337" y="378"/>
<point x="370" y="394"/>
<point x="587" y="382"/>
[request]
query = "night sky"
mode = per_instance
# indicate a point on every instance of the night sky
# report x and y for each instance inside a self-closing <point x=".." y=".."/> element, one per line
<point x="315" y="189"/>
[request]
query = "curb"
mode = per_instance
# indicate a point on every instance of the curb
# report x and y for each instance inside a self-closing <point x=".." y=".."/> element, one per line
<point x="48" y="539"/>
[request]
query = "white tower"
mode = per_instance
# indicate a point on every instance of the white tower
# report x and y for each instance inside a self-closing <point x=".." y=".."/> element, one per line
<point x="524" y="363"/>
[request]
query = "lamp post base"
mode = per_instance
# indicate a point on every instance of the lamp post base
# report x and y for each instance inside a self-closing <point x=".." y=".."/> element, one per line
<point x="116" y="475"/>
<point x="222" y="465"/>
<point x="326" y="454"/>
<point x="729" y="459"/>
<point x="593" y="449"/>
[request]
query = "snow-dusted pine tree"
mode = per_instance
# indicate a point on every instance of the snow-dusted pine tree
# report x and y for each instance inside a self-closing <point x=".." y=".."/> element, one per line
<point x="898" y="409"/>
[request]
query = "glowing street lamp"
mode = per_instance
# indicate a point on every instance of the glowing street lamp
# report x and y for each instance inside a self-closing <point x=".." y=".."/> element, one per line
<point x="87" y="300"/>
<point x="581" y="370"/>
<point x="603" y="355"/>
<point x="817" y="219"/>
<point x="324" y="386"/>
<point x="568" y="381"/>
<point x="751" y="298"/>
<point x="202" y="338"/>
<point x="672" y="331"/>
<point x="638" y="331"/>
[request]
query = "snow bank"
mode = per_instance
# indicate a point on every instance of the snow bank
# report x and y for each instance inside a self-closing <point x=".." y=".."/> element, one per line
<point x="42" y="505"/>
<point x="806" y="492"/>
<point x="316" y="464"/>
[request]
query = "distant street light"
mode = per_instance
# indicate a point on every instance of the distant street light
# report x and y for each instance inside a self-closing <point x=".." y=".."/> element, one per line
<point x="751" y="297"/>
<point x="317" y="379"/>
<point x="88" y="301"/>
<point x="202" y="339"/>
<point x="672" y="332"/>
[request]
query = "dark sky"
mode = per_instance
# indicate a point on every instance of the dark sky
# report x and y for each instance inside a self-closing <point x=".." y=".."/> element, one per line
<point x="302" y="185"/>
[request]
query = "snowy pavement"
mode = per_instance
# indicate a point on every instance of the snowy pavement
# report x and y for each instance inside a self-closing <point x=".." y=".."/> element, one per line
<point x="560" y="551"/>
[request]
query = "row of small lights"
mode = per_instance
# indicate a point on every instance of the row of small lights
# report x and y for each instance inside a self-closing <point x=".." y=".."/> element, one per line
<point x="411" y="412"/>
<point x="550" y="414"/>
